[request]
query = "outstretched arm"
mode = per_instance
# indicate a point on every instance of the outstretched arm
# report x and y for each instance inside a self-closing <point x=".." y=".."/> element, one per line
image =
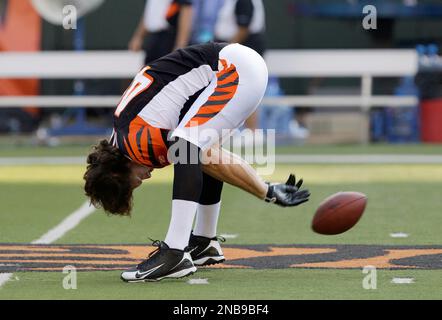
<point x="232" y="169"/>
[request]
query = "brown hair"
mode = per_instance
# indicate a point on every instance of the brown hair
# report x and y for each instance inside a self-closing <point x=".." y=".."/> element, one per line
<point x="108" y="179"/>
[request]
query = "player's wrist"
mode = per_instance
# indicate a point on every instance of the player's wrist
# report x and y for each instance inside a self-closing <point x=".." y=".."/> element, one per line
<point x="269" y="195"/>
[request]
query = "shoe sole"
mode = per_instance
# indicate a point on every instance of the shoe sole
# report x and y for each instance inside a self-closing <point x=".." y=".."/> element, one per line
<point x="207" y="261"/>
<point x="177" y="275"/>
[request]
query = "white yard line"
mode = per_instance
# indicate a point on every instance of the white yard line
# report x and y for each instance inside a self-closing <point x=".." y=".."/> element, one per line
<point x="69" y="223"/>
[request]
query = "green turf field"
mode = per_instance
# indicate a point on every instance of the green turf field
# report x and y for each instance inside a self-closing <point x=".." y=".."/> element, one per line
<point x="402" y="198"/>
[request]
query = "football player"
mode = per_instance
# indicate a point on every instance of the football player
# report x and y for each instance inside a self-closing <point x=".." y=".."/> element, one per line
<point x="164" y="117"/>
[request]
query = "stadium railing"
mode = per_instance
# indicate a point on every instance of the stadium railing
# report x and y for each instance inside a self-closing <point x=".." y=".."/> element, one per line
<point x="363" y="64"/>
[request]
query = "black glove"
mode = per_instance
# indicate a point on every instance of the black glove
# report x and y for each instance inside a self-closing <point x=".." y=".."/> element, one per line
<point x="287" y="194"/>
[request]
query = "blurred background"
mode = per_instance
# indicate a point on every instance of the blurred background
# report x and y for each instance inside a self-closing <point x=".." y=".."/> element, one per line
<point x="334" y="79"/>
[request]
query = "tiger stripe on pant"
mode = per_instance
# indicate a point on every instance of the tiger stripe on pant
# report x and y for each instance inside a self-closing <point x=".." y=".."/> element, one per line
<point x="227" y="84"/>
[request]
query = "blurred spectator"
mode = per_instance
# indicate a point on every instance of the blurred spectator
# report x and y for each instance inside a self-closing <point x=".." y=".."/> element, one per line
<point x="243" y="21"/>
<point x="167" y="25"/>
<point x="205" y="14"/>
<point x="16" y="120"/>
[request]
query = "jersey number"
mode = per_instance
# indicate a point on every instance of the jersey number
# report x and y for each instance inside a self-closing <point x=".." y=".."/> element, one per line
<point x="141" y="82"/>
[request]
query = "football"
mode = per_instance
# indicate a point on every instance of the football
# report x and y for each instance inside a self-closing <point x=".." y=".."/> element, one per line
<point x="339" y="212"/>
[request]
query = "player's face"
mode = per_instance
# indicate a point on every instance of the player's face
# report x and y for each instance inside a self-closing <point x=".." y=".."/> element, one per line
<point x="139" y="173"/>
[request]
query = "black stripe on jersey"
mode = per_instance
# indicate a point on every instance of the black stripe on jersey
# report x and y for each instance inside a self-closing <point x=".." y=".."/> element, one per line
<point x="206" y="115"/>
<point x="121" y="146"/>
<point x="164" y="134"/>
<point x="138" y="136"/>
<point x="150" y="151"/>
<point x="130" y="149"/>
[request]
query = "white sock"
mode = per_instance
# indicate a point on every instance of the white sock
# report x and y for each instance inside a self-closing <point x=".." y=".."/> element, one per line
<point x="207" y="220"/>
<point x="183" y="213"/>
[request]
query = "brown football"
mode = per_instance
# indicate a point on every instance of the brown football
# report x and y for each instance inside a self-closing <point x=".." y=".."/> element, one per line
<point x="339" y="212"/>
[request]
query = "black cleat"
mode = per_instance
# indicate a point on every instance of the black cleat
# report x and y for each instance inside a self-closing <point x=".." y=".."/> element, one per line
<point x="206" y="251"/>
<point x="161" y="263"/>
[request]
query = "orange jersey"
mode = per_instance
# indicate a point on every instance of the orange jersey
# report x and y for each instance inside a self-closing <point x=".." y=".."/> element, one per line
<point x="143" y="143"/>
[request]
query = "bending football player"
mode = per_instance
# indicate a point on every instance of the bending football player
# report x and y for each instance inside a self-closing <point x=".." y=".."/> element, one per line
<point x="163" y="118"/>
